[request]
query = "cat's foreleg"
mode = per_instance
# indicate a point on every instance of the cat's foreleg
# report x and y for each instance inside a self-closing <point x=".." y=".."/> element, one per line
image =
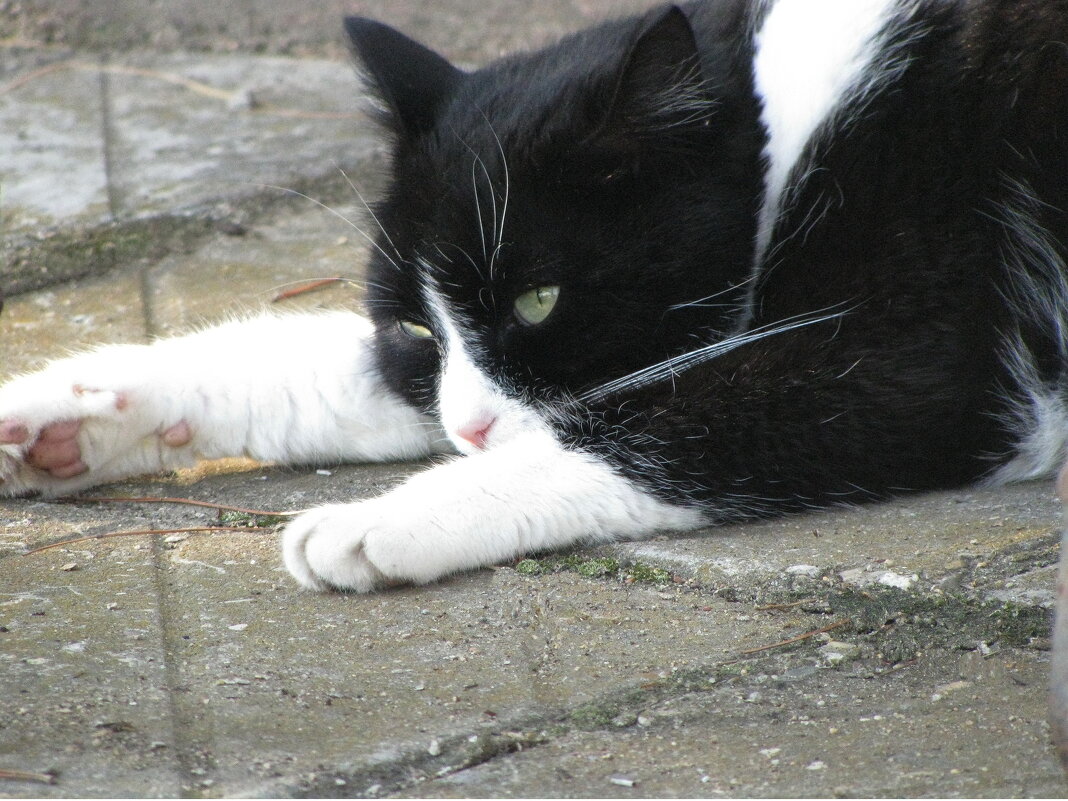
<point x="299" y="388"/>
<point x="527" y="495"/>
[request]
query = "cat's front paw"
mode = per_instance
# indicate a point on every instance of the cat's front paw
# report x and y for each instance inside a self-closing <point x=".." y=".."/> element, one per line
<point x="60" y="435"/>
<point x="327" y="548"/>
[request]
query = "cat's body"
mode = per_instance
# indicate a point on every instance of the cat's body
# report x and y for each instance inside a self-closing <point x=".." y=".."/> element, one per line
<point x="726" y="260"/>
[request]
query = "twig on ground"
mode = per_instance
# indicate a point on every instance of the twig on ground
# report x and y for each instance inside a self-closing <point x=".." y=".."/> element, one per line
<point x="798" y="638"/>
<point x="897" y="667"/>
<point x="197" y="87"/>
<point x="143" y="533"/>
<point x="27" y="776"/>
<point x="303" y="289"/>
<point x="186" y="501"/>
<point x="771" y="607"/>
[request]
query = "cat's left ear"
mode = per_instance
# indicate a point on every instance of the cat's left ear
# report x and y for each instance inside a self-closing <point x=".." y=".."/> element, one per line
<point x="660" y="84"/>
<point x="411" y="80"/>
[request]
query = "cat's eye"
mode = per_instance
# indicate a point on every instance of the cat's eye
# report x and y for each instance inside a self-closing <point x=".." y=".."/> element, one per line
<point x="534" y="305"/>
<point x="415" y="330"/>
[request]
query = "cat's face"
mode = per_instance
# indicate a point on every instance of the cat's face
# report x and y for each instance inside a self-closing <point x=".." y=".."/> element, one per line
<point x="546" y="216"/>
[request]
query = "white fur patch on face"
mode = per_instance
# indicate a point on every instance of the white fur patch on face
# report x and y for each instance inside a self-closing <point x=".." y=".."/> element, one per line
<point x="810" y="57"/>
<point x="475" y="413"/>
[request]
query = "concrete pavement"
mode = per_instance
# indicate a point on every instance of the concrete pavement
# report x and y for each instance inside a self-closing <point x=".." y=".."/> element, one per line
<point x="899" y="649"/>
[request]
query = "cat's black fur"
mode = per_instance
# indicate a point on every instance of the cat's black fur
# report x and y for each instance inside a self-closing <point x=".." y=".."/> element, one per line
<point x="927" y="220"/>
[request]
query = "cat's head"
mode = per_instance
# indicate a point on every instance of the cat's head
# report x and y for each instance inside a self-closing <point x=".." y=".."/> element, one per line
<point x="555" y="219"/>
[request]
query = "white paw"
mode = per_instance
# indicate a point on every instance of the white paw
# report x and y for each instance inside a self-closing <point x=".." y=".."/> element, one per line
<point x="326" y="548"/>
<point x="59" y="434"/>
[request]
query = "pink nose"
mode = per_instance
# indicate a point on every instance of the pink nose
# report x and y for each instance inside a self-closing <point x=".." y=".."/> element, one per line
<point x="476" y="432"/>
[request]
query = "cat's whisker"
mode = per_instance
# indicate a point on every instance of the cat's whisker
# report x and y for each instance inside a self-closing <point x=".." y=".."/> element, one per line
<point x="478" y="204"/>
<point x="467" y="256"/>
<point x="701" y="302"/>
<point x="337" y="278"/>
<point x="507" y="192"/>
<point x="441" y="253"/>
<point x="670" y="368"/>
<point x="370" y="211"/>
<point x="340" y="216"/>
<point x="492" y="194"/>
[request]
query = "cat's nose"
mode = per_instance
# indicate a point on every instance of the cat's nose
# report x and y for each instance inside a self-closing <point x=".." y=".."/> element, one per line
<point x="476" y="431"/>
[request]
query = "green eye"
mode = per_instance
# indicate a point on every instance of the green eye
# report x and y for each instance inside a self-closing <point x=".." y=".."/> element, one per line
<point x="534" y="305"/>
<point x="415" y="330"/>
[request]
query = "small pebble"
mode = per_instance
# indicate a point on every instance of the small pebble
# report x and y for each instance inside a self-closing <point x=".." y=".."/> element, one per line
<point x="434" y="749"/>
<point x="69" y="566"/>
<point x="622" y="781"/>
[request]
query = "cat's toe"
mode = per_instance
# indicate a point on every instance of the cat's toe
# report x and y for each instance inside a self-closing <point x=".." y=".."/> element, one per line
<point x="324" y="550"/>
<point x="13" y="432"/>
<point x="56" y="450"/>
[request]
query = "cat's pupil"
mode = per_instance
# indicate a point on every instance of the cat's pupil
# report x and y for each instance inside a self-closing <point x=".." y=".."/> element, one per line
<point x="535" y="305"/>
<point x="415" y="330"/>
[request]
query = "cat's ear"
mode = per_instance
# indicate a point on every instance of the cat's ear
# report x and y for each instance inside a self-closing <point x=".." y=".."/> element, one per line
<point x="411" y="81"/>
<point x="659" y="86"/>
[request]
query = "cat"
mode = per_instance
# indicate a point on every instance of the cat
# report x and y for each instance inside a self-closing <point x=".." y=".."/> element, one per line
<point x="724" y="259"/>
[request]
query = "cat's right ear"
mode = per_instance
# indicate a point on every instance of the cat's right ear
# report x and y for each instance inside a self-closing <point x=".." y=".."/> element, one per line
<point x="411" y="81"/>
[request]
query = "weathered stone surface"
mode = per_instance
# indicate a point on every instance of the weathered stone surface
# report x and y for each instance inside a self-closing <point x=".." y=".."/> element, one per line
<point x="896" y="649"/>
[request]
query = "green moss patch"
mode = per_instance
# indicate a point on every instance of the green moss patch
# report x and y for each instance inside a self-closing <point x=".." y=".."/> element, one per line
<point x="595" y="567"/>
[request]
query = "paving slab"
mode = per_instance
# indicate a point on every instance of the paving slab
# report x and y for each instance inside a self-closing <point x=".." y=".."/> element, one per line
<point x="232" y="275"/>
<point x="469" y="30"/>
<point x="501" y="682"/>
<point x="1001" y="544"/>
<point x="835" y="733"/>
<point x="47" y="324"/>
<point x="52" y="136"/>
<point x="112" y="161"/>
<point x="84" y="667"/>
<point x="186" y="129"/>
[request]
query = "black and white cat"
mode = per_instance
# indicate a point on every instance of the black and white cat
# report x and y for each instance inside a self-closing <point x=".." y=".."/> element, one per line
<point x="726" y="259"/>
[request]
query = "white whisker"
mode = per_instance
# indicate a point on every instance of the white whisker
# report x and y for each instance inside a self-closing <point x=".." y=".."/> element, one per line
<point x="499" y="239"/>
<point x="370" y="211"/>
<point x="478" y="208"/>
<point x="337" y="214"/>
<point x="669" y="368"/>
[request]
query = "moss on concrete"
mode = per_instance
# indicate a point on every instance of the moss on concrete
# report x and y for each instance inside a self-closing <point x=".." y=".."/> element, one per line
<point x="595" y="567"/>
